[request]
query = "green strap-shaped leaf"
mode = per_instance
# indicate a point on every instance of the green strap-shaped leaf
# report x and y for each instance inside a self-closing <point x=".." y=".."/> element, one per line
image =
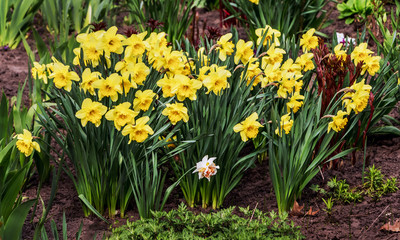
<point x="13" y="226"/>
<point x="86" y="202"/>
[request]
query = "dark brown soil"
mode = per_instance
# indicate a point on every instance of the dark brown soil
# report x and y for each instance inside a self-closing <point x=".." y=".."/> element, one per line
<point x="361" y="221"/>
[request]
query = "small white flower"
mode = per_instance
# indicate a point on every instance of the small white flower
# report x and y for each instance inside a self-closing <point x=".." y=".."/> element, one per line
<point x="206" y="167"/>
<point x="345" y="40"/>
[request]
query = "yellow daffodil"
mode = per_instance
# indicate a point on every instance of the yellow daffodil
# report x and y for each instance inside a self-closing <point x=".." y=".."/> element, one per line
<point x="166" y="83"/>
<point x="286" y="87"/>
<point x="357" y="99"/>
<point x="185" y="87"/>
<point x="143" y="99"/>
<point x="176" y="112"/>
<point x="203" y="58"/>
<point x="127" y="82"/>
<point x="139" y="131"/>
<point x="340" y="54"/>
<point x="77" y="58"/>
<point x="174" y="61"/>
<point x="156" y="41"/>
<point x="253" y="73"/>
<point x="62" y="77"/>
<point x="121" y="115"/>
<point x="203" y="73"/>
<point x="308" y="41"/>
<point x="338" y="122"/>
<point x="25" y="143"/>
<point x="285" y="124"/>
<point x="244" y="51"/>
<point x="225" y="46"/>
<point x="92" y="46"/>
<point x="121" y="66"/>
<point x="305" y="61"/>
<point x="135" y="46"/>
<point x="248" y="128"/>
<point x="272" y="73"/>
<point x="91" y="112"/>
<point x="206" y="167"/>
<point x="39" y="71"/>
<point x="360" y="53"/>
<point x="217" y="79"/>
<point x="371" y="64"/>
<point x="269" y="33"/>
<point x="295" y="102"/>
<point x="274" y="55"/>
<point x="110" y="87"/>
<point x="113" y="41"/>
<point x="88" y="78"/>
<point x="254" y="1"/>
<point x="291" y="67"/>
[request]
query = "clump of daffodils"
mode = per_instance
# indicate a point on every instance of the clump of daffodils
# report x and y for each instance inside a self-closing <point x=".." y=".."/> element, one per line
<point x="206" y="168"/>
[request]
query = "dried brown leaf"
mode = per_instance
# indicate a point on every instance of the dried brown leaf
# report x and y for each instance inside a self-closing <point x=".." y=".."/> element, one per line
<point x="395" y="227"/>
<point x="311" y="212"/>
<point x="297" y="209"/>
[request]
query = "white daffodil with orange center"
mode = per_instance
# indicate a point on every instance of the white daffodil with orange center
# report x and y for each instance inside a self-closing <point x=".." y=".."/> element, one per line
<point x="206" y="167"/>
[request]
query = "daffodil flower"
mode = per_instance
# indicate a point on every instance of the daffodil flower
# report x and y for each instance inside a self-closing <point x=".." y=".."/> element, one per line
<point x="206" y="167"/>
<point x="248" y="128"/>
<point x="25" y="144"/>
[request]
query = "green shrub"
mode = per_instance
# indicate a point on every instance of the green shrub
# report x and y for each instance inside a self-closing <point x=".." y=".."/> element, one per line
<point x="184" y="224"/>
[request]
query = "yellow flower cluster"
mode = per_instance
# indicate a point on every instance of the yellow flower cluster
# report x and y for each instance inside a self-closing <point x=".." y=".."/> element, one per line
<point x="360" y="54"/>
<point x="138" y="56"/>
<point x="181" y="78"/>
<point x="286" y="76"/>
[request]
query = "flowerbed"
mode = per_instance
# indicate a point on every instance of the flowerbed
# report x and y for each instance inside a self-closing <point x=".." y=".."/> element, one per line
<point x="282" y="116"/>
